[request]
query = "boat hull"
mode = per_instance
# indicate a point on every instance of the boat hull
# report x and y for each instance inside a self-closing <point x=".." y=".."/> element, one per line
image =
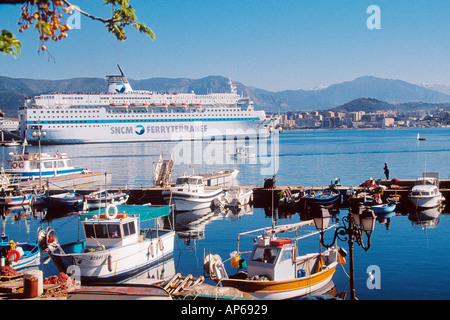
<point x="31" y="256"/>
<point x="161" y="130"/>
<point x="383" y="208"/>
<point x="426" y="202"/>
<point x="188" y="201"/>
<point x="126" y="261"/>
<point x="283" y="290"/>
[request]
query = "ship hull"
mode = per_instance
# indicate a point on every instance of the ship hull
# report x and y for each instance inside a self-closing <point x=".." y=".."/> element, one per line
<point x="134" y="131"/>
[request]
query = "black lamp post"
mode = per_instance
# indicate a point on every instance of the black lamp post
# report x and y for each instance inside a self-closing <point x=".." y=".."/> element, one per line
<point x="354" y="224"/>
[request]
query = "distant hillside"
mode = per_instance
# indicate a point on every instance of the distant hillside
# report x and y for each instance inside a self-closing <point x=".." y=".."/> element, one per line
<point x="372" y="105"/>
<point x="390" y="91"/>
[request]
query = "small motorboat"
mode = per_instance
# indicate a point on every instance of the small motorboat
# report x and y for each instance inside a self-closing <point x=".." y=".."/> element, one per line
<point x="97" y="199"/>
<point x="420" y="138"/>
<point x="116" y="247"/>
<point x="19" y="255"/>
<point x="274" y="270"/>
<point x="190" y="193"/>
<point x="425" y="194"/>
<point x="234" y="197"/>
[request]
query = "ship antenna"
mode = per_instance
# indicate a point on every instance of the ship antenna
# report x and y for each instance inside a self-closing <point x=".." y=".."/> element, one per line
<point x="120" y="70"/>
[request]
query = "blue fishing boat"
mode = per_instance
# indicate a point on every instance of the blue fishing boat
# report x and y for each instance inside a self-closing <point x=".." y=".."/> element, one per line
<point x="63" y="200"/>
<point x="19" y="255"/>
<point x="324" y="197"/>
<point x="383" y="208"/>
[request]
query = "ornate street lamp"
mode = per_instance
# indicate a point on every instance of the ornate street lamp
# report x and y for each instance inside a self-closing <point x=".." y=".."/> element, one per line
<point x="355" y="224"/>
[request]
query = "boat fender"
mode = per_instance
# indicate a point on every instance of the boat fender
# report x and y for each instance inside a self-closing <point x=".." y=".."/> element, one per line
<point x="110" y="263"/>
<point x="160" y="244"/>
<point x="150" y="249"/>
<point x="13" y="256"/>
<point x="108" y="214"/>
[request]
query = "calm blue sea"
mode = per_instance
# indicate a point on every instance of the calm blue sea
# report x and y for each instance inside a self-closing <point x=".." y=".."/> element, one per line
<point x="411" y="253"/>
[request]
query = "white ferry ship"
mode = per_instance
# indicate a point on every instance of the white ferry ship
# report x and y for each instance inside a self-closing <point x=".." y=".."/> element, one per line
<point x="123" y="114"/>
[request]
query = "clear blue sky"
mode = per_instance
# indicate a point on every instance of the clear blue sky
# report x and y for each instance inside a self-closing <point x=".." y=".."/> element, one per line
<point x="269" y="44"/>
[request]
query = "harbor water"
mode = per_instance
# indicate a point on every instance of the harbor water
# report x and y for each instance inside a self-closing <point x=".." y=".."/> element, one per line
<point x="408" y="252"/>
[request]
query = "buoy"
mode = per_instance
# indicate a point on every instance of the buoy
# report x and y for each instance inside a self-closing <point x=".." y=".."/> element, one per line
<point x="108" y="214"/>
<point x="13" y="256"/>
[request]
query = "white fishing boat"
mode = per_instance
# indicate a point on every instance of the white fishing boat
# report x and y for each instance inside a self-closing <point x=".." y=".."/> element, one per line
<point x="27" y="166"/>
<point x="425" y="193"/>
<point x="275" y="270"/>
<point x="234" y="197"/>
<point x="190" y="193"/>
<point x="98" y="199"/>
<point x="116" y="247"/>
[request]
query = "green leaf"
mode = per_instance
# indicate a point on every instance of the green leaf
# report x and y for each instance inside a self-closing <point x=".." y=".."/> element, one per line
<point x="9" y="44"/>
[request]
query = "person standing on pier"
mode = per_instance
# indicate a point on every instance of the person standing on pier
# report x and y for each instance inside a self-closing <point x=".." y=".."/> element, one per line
<point x="386" y="170"/>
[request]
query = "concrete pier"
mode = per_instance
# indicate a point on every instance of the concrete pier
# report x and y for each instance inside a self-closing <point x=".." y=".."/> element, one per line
<point x="262" y="197"/>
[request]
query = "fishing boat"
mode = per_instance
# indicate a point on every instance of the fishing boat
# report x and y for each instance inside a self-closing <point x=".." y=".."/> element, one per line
<point x="425" y="193"/>
<point x="323" y="197"/>
<point x="63" y="200"/>
<point x="27" y="166"/>
<point x="97" y="199"/>
<point x="234" y="197"/>
<point x="19" y="255"/>
<point x="190" y="193"/>
<point x="274" y="270"/>
<point x="15" y="199"/>
<point x="383" y="208"/>
<point x="116" y="247"/>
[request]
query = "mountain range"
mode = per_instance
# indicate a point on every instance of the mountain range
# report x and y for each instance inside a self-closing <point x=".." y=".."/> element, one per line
<point x="387" y="90"/>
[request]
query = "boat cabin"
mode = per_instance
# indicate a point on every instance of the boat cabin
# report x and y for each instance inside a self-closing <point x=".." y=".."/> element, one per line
<point x="272" y="258"/>
<point x="122" y="230"/>
<point x="189" y="183"/>
<point x="426" y="182"/>
<point x="32" y="161"/>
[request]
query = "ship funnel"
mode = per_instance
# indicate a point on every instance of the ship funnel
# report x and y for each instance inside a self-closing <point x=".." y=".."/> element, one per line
<point x="118" y="84"/>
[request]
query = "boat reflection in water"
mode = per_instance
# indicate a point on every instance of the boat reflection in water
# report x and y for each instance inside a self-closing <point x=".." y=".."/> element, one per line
<point x="428" y="218"/>
<point x="190" y="225"/>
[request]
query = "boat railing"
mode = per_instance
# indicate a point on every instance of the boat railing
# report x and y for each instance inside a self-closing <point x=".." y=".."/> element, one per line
<point x="293" y="227"/>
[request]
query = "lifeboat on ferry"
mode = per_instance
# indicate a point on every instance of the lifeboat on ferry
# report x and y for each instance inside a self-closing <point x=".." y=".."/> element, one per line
<point x="118" y="104"/>
<point x="139" y="104"/>
<point x="195" y="104"/>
